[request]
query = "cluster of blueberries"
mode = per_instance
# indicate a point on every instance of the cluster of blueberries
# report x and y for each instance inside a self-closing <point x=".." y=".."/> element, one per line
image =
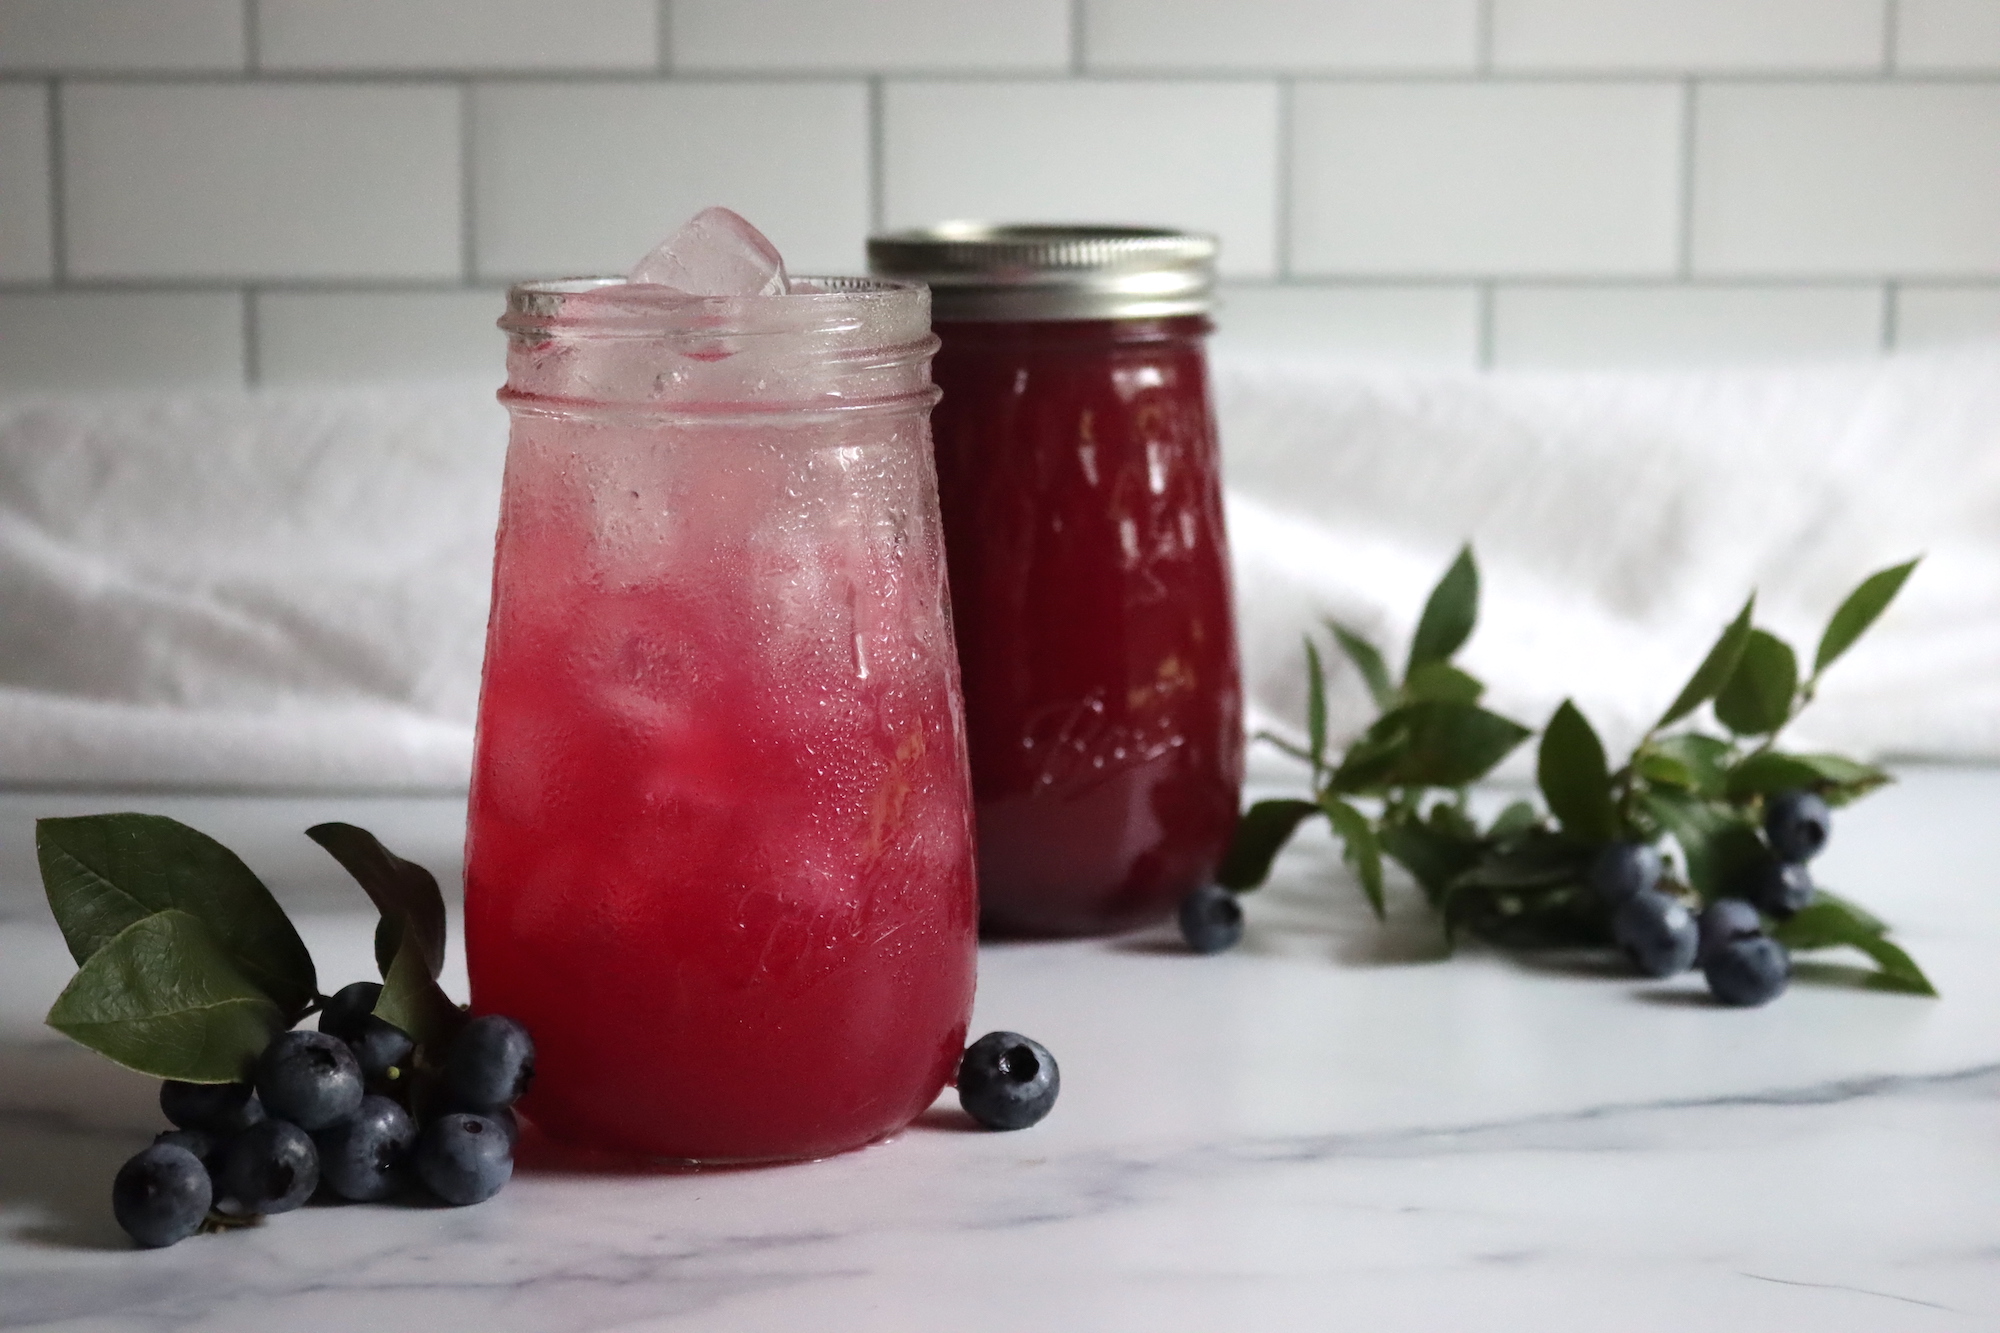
<point x="1743" y="965"/>
<point x="316" y="1114"/>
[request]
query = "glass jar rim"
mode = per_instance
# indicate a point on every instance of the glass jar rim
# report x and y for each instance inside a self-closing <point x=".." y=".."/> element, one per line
<point x="613" y="307"/>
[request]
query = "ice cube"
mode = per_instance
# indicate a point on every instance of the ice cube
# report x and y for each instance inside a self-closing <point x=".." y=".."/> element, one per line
<point x="716" y="254"/>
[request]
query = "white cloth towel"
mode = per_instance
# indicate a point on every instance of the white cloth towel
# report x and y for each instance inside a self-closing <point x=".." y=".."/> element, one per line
<point x="266" y="590"/>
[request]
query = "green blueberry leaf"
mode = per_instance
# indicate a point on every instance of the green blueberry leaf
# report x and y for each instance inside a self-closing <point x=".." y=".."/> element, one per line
<point x="1449" y="615"/>
<point x="1835" y="777"/>
<point x="1260" y="834"/>
<point x="1859" y="611"/>
<point x="1721" y="848"/>
<point x="1433" y="857"/>
<point x="1575" y="780"/>
<point x="1361" y="849"/>
<point x="164" y="997"/>
<point x="412" y="999"/>
<point x="1368" y="662"/>
<point x="1715" y="669"/>
<point x="1757" y="699"/>
<point x="1518" y="818"/>
<point x="105" y="873"/>
<point x="1315" y="709"/>
<point x="1831" y="922"/>
<point x="1428" y="744"/>
<point x="404" y="893"/>
<point x="1697" y="760"/>
<point x="1443" y="683"/>
<point x="1665" y="770"/>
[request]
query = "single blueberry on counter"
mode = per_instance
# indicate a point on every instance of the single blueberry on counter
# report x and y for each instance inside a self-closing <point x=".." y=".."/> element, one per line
<point x="1657" y="933"/>
<point x="1211" y="919"/>
<point x="309" y="1078"/>
<point x="1748" y="972"/>
<point x="271" y="1167"/>
<point x="348" y="1009"/>
<point x="1007" y="1081"/>
<point x="491" y="1064"/>
<point x="1728" y="919"/>
<point x="362" y="1157"/>
<point x="161" y="1195"/>
<point x="1798" y="823"/>
<point x="1622" y="870"/>
<point x="464" y="1158"/>
<point x="1782" y="889"/>
<point x="219" y="1108"/>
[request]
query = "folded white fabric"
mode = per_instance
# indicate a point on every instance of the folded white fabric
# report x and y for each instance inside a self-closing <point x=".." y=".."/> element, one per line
<point x="289" y="589"/>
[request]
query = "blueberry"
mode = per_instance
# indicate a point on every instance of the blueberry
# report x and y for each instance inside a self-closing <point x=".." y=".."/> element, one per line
<point x="219" y="1108"/>
<point x="1747" y="972"/>
<point x="1211" y="919"/>
<point x="197" y="1141"/>
<point x="1657" y="933"/>
<point x="309" y="1078"/>
<point x="362" y="1157"/>
<point x="161" y="1195"/>
<point x="380" y="1048"/>
<point x="346" y="1012"/>
<point x="464" y="1158"/>
<point x="1007" y="1081"/>
<point x="491" y="1063"/>
<point x="271" y="1167"/>
<point x="1798" y="825"/>
<point x="1728" y="919"/>
<point x="1781" y="888"/>
<point x="1622" y="870"/>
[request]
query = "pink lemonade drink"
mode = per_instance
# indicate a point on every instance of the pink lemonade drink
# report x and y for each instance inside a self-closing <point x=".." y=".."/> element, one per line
<point x="720" y="858"/>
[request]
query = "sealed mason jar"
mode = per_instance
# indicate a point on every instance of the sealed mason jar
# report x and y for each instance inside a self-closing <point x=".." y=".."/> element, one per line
<point x="1082" y="503"/>
<point x="719" y="859"/>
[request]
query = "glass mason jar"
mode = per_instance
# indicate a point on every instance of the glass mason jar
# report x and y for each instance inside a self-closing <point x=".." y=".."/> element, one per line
<point x="719" y="858"/>
<point x="1082" y="501"/>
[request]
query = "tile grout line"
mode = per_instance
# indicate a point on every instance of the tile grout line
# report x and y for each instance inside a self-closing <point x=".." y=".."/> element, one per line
<point x="468" y="237"/>
<point x="663" y="55"/>
<point x="1891" y="18"/>
<point x="1076" y="24"/>
<point x="1287" y="92"/>
<point x="57" y="183"/>
<point x="1483" y="37"/>
<point x="878" y="135"/>
<point x="253" y="369"/>
<point x="1684" y="261"/>
<point x="253" y="56"/>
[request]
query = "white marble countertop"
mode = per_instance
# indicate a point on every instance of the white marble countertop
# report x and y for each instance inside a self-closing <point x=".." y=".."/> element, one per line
<point x="1329" y="1128"/>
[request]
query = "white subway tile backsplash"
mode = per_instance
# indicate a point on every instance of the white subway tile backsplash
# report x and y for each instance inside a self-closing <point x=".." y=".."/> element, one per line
<point x="1688" y="34"/>
<point x="333" y="337"/>
<point x="1201" y="156"/>
<point x="1622" y="327"/>
<point x="1471" y="178"/>
<point x="457" y="34"/>
<point x="26" y="249"/>
<point x="1861" y="179"/>
<point x="108" y="35"/>
<point x="886" y="35"/>
<point x="1418" y="325"/>
<point x="261" y="180"/>
<point x="1944" y="316"/>
<point x="1947" y="35"/>
<point x="1294" y="35"/>
<point x="585" y="178"/>
<point x="59" y="342"/>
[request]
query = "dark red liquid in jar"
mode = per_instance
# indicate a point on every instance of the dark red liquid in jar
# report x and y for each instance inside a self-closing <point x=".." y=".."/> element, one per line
<point x="1081" y="490"/>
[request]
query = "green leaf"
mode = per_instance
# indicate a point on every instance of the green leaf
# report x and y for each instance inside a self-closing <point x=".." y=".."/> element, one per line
<point x="1449" y="614"/>
<point x="163" y="997"/>
<point x="1859" y="611"/>
<point x="1715" y="669"/>
<point x="412" y="1000"/>
<point x="1831" y="922"/>
<point x="1696" y="760"/>
<point x="1368" y="662"/>
<point x="1360" y="848"/>
<point x="404" y="893"/>
<point x="1315" y="709"/>
<point x="1575" y="780"/>
<point x="1834" y="776"/>
<point x="1263" y="830"/>
<point x="1515" y="820"/>
<point x="1444" y="683"/>
<point x="1428" y="745"/>
<point x="1757" y="700"/>
<point x="1722" y="850"/>
<point x="1433" y="856"/>
<point x="105" y="873"/>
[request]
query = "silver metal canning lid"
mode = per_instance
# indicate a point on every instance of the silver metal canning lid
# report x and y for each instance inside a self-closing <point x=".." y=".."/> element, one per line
<point x="982" y="271"/>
